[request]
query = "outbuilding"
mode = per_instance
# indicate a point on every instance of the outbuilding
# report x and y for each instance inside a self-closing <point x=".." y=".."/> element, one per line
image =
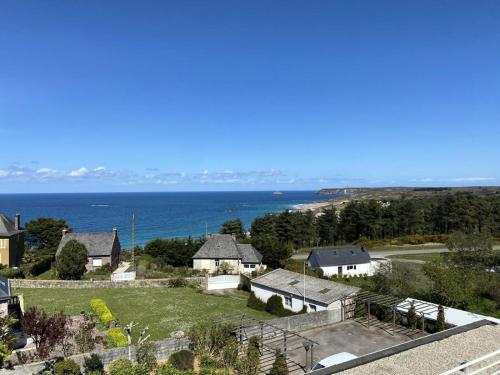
<point x="299" y="291"/>
<point x="342" y="262"/>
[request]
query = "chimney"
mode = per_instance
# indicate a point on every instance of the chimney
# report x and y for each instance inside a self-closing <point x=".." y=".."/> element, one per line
<point x="17" y="222"/>
<point x="64" y="231"/>
<point x="115" y="232"/>
<point x="234" y="236"/>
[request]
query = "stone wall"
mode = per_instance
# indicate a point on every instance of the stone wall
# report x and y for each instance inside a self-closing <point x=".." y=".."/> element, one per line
<point x="303" y="322"/>
<point x="83" y="284"/>
<point x="164" y="349"/>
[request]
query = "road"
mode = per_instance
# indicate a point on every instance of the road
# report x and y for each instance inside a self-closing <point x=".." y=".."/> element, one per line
<point x="386" y="253"/>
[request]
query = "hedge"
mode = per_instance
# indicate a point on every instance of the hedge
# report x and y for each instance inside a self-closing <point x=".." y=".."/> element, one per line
<point x="102" y="311"/>
<point x="117" y="337"/>
<point x="255" y="303"/>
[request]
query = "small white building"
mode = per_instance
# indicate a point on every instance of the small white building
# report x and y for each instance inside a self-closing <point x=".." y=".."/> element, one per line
<point x="297" y="291"/>
<point x="222" y="253"/>
<point x="342" y="262"/>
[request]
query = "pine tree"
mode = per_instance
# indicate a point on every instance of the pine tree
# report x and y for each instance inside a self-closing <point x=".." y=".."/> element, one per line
<point x="440" y="322"/>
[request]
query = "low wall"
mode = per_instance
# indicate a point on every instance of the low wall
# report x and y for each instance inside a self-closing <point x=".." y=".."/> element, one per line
<point x="164" y="349"/>
<point x="223" y="282"/>
<point x="84" y="284"/>
<point x="303" y="322"/>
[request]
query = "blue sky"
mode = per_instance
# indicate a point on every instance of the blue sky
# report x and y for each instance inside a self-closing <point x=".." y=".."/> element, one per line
<point x="248" y="95"/>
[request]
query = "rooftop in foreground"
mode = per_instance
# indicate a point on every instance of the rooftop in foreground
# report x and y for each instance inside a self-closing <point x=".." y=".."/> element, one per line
<point x="433" y="354"/>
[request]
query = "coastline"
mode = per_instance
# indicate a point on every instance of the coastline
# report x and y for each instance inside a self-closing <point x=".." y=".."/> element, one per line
<point x="318" y="206"/>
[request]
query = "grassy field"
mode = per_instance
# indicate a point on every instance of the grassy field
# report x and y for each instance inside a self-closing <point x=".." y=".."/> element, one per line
<point x="163" y="309"/>
<point x="425" y="257"/>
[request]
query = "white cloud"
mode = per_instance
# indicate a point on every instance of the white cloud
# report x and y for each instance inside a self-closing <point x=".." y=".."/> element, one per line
<point x="4" y="173"/>
<point x="46" y="172"/>
<point x="79" y="172"/>
<point x="99" y="169"/>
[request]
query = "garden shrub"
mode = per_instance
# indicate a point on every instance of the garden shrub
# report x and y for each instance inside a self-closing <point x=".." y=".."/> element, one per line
<point x="274" y="306"/>
<point x="12" y="273"/>
<point x="230" y="352"/>
<point x="182" y="360"/>
<point x="93" y="364"/>
<point x="166" y="369"/>
<point x="210" y="338"/>
<point x="255" y="303"/>
<point x="67" y="367"/>
<point x="121" y="367"/>
<point x="146" y="355"/>
<point x="140" y="369"/>
<point x="177" y="282"/>
<point x="5" y="352"/>
<point x="102" y="311"/>
<point x="279" y="366"/>
<point x="117" y="338"/>
<point x="208" y="371"/>
<point x="39" y="266"/>
<point x="208" y="361"/>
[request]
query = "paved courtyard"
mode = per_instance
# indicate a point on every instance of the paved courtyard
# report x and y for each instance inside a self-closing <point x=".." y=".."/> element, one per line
<point x="349" y="336"/>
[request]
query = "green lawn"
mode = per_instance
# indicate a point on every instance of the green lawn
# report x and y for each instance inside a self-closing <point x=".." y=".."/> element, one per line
<point x="163" y="309"/>
<point x="425" y="257"/>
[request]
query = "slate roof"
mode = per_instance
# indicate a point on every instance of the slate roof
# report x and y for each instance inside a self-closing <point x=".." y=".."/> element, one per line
<point x="5" y="291"/>
<point x="7" y="226"/>
<point x="224" y="246"/>
<point x="338" y="257"/>
<point x="97" y="244"/>
<point x="316" y="289"/>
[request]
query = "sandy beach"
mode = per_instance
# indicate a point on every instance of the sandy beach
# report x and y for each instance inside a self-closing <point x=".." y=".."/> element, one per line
<point x="318" y="206"/>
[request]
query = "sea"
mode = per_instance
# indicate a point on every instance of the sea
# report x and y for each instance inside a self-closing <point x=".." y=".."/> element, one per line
<point x="157" y="215"/>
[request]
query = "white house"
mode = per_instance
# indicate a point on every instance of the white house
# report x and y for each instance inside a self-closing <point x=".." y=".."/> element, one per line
<point x="342" y="262"/>
<point x="298" y="291"/>
<point x="223" y="252"/>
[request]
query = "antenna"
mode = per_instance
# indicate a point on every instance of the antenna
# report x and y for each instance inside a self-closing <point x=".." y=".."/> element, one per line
<point x="133" y="241"/>
<point x="304" y="294"/>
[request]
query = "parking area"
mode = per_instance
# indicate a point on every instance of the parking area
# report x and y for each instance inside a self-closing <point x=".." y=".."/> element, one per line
<point x="349" y="336"/>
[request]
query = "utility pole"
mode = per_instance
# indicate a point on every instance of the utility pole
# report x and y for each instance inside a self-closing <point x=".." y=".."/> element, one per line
<point x="304" y="294"/>
<point x="133" y="241"/>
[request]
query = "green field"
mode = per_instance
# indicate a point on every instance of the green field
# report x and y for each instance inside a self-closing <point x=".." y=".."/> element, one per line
<point x="428" y="257"/>
<point x="163" y="309"/>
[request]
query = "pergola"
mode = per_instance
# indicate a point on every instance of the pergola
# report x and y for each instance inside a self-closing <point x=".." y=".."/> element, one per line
<point x="271" y="337"/>
<point x="394" y="304"/>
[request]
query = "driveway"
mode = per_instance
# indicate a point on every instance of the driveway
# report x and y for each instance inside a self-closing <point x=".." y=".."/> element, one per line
<point x="122" y="267"/>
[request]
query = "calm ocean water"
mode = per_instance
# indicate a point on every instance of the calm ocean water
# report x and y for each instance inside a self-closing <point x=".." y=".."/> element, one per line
<point x="164" y="215"/>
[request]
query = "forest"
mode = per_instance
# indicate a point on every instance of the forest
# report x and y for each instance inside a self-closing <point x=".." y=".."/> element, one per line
<point x="377" y="220"/>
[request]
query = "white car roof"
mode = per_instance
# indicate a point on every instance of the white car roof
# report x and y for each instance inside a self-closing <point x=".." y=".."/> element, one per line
<point x="337" y="358"/>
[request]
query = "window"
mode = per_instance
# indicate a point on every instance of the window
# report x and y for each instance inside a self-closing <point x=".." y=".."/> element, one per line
<point x="216" y="262"/>
<point x="312" y="307"/>
<point x="97" y="262"/>
<point x="288" y="301"/>
<point x="252" y="265"/>
<point x="3" y="243"/>
<point x="351" y="268"/>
